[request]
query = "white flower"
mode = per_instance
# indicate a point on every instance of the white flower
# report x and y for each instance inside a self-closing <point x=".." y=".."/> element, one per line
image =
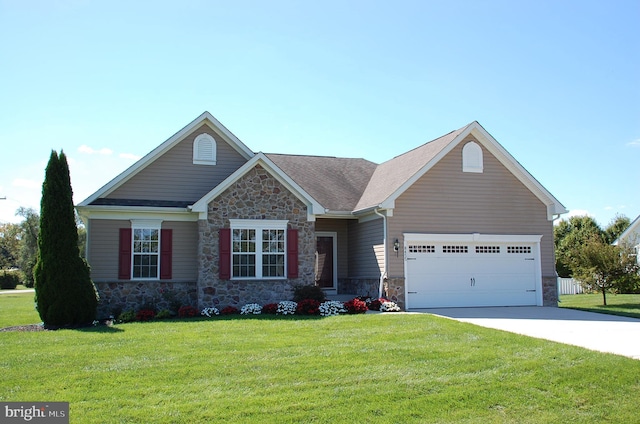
<point x="209" y="312"/>
<point x="332" y="307"/>
<point x="287" y="307"/>
<point x="251" y="309"/>
<point x="389" y="307"/>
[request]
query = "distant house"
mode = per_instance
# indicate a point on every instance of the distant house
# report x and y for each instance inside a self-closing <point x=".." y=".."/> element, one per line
<point x="205" y="220"/>
<point x="631" y="236"/>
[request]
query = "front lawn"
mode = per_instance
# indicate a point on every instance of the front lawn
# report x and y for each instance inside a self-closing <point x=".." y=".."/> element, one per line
<point x="18" y="309"/>
<point x="386" y="368"/>
<point x="627" y="305"/>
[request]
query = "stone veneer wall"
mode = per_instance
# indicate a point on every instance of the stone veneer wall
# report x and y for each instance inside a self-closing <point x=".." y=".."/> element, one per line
<point x="359" y="286"/>
<point x="550" y="291"/>
<point x="394" y="291"/>
<point x="116" y="297"/>
<point x="257" y="195"/>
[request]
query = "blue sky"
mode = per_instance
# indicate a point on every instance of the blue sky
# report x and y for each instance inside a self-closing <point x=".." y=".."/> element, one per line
<point x="557" y="83"/>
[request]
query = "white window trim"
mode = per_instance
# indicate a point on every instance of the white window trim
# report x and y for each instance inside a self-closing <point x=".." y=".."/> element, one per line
<point x="145" y="224"/>
<point x="198" y="158"/>
<point x="258" y="226"/>
<point x="472" y="160"/>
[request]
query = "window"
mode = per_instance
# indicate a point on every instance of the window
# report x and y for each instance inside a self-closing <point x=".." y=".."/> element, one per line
<point x="472" y="158"/>
<point x="146" y="252"/>
<point x="258" y="249"/>
<point x="204" y="150"/>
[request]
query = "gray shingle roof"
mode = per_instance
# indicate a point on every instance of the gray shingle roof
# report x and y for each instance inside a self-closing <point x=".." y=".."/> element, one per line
<point x="335" y="183"/>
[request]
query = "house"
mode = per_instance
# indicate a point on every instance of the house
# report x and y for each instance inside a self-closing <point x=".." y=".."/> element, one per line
<point x="204" y="220"/>
<point x="631" y="236"/>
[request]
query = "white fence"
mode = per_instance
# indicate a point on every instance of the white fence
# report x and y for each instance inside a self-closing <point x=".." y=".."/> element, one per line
<point x="569" y="286"/>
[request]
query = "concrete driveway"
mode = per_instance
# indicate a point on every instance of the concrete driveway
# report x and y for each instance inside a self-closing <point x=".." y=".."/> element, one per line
<point x="600" y="332"/>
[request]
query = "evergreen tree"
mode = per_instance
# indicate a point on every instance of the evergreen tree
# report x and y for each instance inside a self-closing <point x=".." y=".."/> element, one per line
<point x="65" y="294"/>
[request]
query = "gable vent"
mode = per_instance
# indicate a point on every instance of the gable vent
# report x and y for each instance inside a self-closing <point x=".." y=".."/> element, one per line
<point x="204" y="150"/>
<point x="472" y="158"/>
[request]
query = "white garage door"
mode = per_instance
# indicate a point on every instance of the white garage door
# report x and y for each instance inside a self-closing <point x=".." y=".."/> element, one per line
<point x="472" y="270"/>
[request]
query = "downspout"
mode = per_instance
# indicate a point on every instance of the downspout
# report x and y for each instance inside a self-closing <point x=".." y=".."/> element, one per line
<point x="383" y="276"/>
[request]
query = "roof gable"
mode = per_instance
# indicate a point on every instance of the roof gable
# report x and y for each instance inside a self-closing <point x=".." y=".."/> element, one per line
<point x="204" y="119"/>
<point x="631" y="234"/>
<point x="394" y="177"/>
<point x="313" y="207"/>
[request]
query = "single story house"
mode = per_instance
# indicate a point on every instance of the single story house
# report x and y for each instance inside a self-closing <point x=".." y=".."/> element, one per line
<point x="204" y="220"/>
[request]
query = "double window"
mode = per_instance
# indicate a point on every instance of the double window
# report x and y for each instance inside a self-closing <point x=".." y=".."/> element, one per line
<point x="258" y="249"/>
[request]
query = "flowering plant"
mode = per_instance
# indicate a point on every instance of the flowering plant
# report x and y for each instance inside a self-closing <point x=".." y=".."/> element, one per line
<point x="374" y="304"/>
<point x="270" y="308"/>
<point x="210" y="312"/>
<point x="187" y="312"/>
<point x="308" y="307"/>
<point x="251" y="309"/>
<point x="229" y="310"/>
<point x="389" y="306"/>
<point x="287" y="307"/>
<point x="332" y="307"/>
<point x="145" y="315"/>
<point x="356" y="306"/>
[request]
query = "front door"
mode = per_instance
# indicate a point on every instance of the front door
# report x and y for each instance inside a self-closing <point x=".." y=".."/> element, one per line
<point x="325" y="261"/>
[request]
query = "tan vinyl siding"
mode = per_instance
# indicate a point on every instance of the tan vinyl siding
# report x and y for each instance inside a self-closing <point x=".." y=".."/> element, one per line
<point x="363" y="254"/>
<point x="104" y="244"/>
<point x="448" y="201"/>
<point x="339" y="226"/>
<point x="173" y="176"/>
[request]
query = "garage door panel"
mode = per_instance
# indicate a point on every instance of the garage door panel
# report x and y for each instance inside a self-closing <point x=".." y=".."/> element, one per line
<point x="472" y="274"/>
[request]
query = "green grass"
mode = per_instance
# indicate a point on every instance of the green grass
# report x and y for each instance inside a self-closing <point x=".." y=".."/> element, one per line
<point x="627" y="305"/>
<point x="18" y="309"/>
<point x="377" y="368"/>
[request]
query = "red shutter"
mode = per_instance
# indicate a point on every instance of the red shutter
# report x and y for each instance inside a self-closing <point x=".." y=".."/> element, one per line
<point x="124" y="254"/>
<point x="166" y="253"/>
<point x="292" y="253"/>
<point x="225" y="253"/>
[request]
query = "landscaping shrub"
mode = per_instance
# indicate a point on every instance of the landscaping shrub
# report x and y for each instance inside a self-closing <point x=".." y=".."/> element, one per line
<point x="9" y="279"/>
<point x="308" y="292"/>
<point x="355" y="306"/>
<point x="145" y="315"/>
<point x="229" y="310"/>
<point x="187" y="312"/>
<point x="374" y="304"/>
<point x="270" y="308"/>
<point x="308" y="307"/>
<point x="251" y="309"/>
<point x="164" y="314"/>
<point x="332" y="307"/>
<point x="211" y="311"/>
<point x="287" y="307"/>
<point x="127" y="316"/>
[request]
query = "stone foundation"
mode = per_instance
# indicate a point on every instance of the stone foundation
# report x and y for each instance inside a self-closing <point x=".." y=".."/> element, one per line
<point x="550" y="291"/>
<point x="394" y="291"/>
<point x="122" y="296"/>
<point x="359" y="286"/>
<point x="240" y="293"/>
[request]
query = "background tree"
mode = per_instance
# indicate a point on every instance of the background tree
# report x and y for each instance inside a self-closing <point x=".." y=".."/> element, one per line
<point x="601" y="266"/>
<point x="570" y="234"/>
<point x="9" y="245"/>
<point x="28" y="248"/>
<point x="615" y="228"/>
<point x="65" y="294"/>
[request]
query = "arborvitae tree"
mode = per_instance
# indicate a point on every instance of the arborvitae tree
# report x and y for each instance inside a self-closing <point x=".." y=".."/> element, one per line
<point x="65" y="294"/>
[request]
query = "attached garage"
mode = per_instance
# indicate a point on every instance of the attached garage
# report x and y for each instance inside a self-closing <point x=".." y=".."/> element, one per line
<point x="466" y="270"/>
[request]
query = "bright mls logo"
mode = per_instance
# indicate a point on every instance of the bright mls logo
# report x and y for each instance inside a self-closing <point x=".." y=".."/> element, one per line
<point x="37" y="412"/>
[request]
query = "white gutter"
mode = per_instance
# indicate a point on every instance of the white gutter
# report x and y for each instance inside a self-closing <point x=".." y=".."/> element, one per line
<point x="384" y="247"/>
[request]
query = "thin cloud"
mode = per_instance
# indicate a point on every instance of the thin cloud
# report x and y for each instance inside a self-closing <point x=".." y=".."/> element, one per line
<point x="634" y="143"/>
<point x="91" y="151"/>
<point x="129" y="156"/>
